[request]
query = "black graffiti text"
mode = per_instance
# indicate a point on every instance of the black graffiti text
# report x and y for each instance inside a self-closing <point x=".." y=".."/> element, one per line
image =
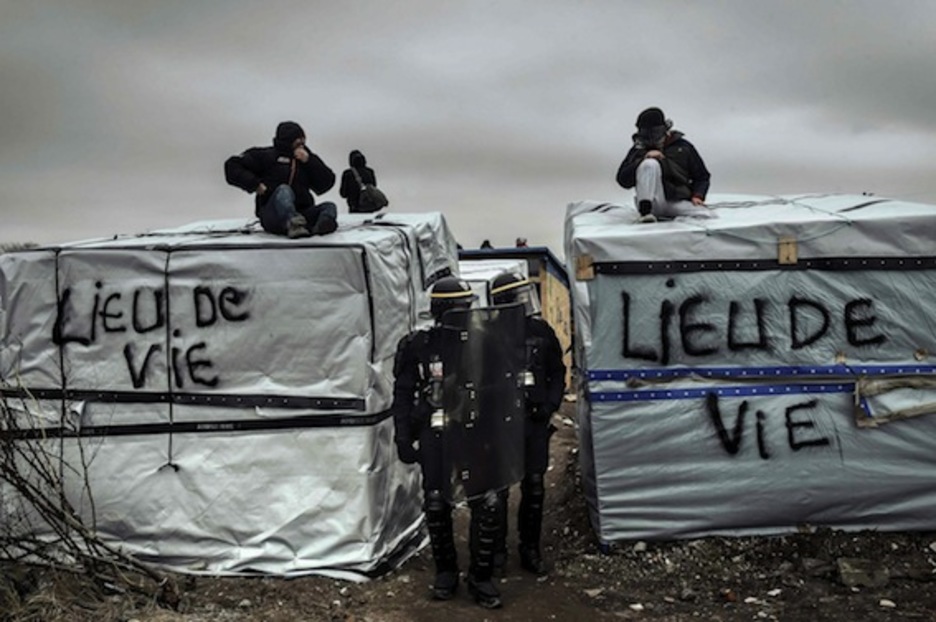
<point x="687" y="324"/>
<point x="227" y="303"/>
<point x="801" y="431"/>
<point x="138" y="315"/>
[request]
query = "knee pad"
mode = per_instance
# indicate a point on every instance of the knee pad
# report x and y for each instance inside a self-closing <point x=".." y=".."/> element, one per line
<point x="435" y="502"/>
<point x="486" y="510"/>
<point x="491" y="514"/>
<point x="493" y="501"/>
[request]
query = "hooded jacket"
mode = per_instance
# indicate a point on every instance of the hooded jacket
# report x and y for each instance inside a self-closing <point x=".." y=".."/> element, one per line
<point x="350" y="188"/>
<point x="684" y="172"/>
<point x="277" y="165"/>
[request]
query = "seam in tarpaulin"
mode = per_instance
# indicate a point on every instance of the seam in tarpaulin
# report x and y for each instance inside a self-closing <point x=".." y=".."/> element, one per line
<point x="760" y="372"/>
<point x="645" y="395"/>
<point x="710" y="230"/>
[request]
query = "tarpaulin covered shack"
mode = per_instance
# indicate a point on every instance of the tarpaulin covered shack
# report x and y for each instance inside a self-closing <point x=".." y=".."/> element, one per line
<point x="548" y="274"/>
<point x="771" y="368"/>
<point x="228" y="389"/>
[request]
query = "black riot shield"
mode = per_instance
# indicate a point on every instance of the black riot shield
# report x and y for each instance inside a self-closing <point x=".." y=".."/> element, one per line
<point x="483" y="356"/>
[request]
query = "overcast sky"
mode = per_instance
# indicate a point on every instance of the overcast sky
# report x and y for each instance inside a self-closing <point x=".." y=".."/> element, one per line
<point x="116" y="116"/>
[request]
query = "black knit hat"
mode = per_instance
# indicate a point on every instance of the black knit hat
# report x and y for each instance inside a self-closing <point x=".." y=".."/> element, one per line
<point x="651" y="117"/>
<point x="289" y="131"/>
<point x="286" y="133"/>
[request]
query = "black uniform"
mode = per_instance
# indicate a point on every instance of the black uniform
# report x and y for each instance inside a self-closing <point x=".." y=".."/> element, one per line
<point x="275" y="166"/>
<point x="543" y="398"/>
<point x="350" y="187"/>
<point x="417" y="394"/>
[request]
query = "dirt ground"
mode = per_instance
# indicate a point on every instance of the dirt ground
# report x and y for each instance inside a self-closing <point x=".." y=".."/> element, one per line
<point x="804" y="577"/>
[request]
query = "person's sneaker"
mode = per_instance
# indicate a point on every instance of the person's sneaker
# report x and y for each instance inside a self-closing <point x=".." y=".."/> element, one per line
<point x="484" y="593"/>
<point x="325" y="224"/>
<point x="297" y="227"/>
<point x="645" y="208"/>
<point x="532" y="561"/>
<point x="445" y="585"/>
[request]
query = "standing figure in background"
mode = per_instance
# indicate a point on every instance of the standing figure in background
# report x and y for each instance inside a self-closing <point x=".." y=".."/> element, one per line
<point x="353" y="177"/>
<point x="545" y="386"/>
<point x="283" y="177"/>
<point x="668" y="173"/>
<point x="419" y="434"/>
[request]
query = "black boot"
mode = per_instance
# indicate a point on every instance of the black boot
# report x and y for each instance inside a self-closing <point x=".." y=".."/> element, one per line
<point x="445" y="585"/>
<point x="530" y="523"/>
<point x="499" y="569"/>
<point x="500" y="540"/>
<point x="484" y="528"/>
<point x="532" y="561"/>
<point x="439" y="523"/>
<point x="484" y="593"/>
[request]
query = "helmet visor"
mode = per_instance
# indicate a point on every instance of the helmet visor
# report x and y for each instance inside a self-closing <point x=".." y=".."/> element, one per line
<point x="526" y="295"/>
<point x="523" y="292"/>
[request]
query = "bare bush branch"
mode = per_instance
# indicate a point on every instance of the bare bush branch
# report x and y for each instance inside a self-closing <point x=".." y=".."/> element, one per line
<point x="39" y="523"/>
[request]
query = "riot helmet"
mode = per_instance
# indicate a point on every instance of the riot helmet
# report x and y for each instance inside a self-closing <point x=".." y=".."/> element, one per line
<point x="449" y="293"/>
<point x="509" y="288"/>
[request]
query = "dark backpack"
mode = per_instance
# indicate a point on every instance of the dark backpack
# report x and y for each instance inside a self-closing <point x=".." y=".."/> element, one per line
<point x="371" y="198"/>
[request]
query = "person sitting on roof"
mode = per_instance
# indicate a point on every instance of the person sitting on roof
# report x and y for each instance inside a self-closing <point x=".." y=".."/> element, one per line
<point x="283" y="178"/>
<point x="669" y="175"/>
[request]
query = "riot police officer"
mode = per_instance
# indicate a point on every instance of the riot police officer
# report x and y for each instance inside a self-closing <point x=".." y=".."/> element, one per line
<point x="544" y="390"/>
<point x="419" y="427"/>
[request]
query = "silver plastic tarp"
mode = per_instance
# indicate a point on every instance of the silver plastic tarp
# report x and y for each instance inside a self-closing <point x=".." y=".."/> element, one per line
<point x="227" y="389"/>
<point x="759" y="372"/>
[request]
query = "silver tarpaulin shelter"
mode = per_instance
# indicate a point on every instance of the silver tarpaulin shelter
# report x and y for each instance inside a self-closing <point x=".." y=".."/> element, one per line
<point x="766" y="370"/>
<point x="225" y="392"/>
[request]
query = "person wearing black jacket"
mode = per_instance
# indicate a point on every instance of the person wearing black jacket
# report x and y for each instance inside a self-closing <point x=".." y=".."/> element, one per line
<point x="420" y="436"/>
<point x="350" y="184"/>
<point x="283" y="177"/>
<point x="545" y="387"/>
<point x="668" y="174"/>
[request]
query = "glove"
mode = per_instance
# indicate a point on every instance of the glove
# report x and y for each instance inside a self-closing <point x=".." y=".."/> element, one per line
<point x="408" y="453"/>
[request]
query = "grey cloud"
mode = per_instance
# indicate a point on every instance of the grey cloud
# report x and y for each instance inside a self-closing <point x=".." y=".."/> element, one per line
<point x="122" y="113"/>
